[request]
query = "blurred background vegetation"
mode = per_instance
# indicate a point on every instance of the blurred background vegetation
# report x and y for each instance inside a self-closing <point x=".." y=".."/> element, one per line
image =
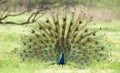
<point x="100" y="9"/>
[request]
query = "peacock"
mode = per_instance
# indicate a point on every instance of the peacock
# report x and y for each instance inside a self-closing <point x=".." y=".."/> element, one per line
<point x="64" y="38"/>
<point x="62" y="59"/>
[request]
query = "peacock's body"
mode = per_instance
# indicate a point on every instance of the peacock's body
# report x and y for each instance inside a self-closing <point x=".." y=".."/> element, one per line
<point x="66" y="34"/>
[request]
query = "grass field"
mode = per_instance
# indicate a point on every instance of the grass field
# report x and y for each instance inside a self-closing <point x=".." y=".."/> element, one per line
<point x="10" y="63"/>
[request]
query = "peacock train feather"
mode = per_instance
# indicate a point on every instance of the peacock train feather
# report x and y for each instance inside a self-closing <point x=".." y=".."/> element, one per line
<point x="68" y="34"/>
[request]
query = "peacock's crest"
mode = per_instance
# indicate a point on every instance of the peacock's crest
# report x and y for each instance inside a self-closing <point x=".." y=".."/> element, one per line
<point x="69" y="32"/>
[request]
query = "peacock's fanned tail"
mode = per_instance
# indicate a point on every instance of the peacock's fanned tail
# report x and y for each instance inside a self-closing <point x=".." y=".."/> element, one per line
<point x="68" y="32"/>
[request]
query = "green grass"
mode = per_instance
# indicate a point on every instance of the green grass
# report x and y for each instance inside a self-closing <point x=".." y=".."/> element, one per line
<point x="10" y="63"/>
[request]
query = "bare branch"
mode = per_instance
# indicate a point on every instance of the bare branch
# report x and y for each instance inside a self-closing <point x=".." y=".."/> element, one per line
<point x="31" y="19"/>
<point x="8" y="15"/>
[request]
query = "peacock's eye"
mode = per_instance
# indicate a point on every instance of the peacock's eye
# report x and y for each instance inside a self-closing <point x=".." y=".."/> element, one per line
<point x="29" y="46"/>
<point x="44" y="35"/>
<point x="49" y="28"/>
<point x="37" y="35"/>
<point x="35" y="43"/>
<point x="63" y="27"/>
<point x="24" y="43"/>
<point x="80" y="22"/>
<point x="102" y="48"/>
<point x="41" y="41"/>
<point x="40" y="28"/>
<point x="47" y="21"/>
<point x="24" y="51"/>
<point x="64" y="19"/>
<point x="86" y="30"/>
<point x="47" y="41"/>
<point x="94" y="34"/>
<point x="96" y="42"/>
<point x="32" y="31"/>
<point x="71" y="23"/>
<point x="56" y="22"/>
<point x="30" y="39"/>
